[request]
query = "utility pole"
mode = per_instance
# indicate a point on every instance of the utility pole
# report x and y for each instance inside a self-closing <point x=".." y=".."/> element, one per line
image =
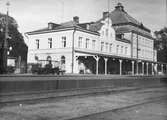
<point x="5" y="43"/>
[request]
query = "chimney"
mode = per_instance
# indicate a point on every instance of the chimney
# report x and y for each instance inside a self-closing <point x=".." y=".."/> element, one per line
<point x="76" y="19"/>
<point x="50" y="25"/>
<point x="105" y="14"/>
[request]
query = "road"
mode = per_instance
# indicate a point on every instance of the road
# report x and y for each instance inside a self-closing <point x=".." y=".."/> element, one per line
<point x="109" y="106"/>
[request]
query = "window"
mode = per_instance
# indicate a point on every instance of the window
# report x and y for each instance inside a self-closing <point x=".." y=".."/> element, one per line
<point x="122" y="49"/>
<point x="63" y="42"/>
<point x="106" y="32"/>
<point x="110" y="47"/>
<point x="87" y="43"/>
<point x="63" y="61"/>
<point x="80" y="42"/>
<point x="126" y="50"/>
<point x="93" y="44"/>
<point x="49" y="59"/>
<point x="120" y="36"/>
<point x="49" y="42"/>
<point x="102" y="46"/>
<point x="117" y="50"/>
<point x="37" y="43"/>
<point x="106" y="47"/>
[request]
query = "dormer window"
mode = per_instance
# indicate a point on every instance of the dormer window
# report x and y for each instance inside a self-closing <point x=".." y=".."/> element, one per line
<point x="120" y="36"/>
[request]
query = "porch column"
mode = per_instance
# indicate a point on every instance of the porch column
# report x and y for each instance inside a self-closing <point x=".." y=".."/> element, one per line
<point x="162" y="70"/>
<point x="120" y="67"/>
<point x="156" y="71"/>
<point x="147" y="67"/>
<point x="143" y="68"/>
<point x="105" y="59"/>
<point x="152" y="68"/>
<point x="76" y="70"/>
<point x="97" y="64"/>
<point x="133" y="67"/>
<point x="137" y="67"/>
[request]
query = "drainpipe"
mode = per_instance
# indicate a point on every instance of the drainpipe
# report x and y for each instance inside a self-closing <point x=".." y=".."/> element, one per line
<point x="73" y="37"/>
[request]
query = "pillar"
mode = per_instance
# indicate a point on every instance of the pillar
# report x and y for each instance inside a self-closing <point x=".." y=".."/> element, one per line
<point x="105" y="59"/>
<point x="162" y="70"/>
<point x="120" y="67"/>
<point x="143" y="68"/>
<point x="152" y="68"/>
<point x="76" y="67"/>
<point x="137" y="68"/>
<point x="133" y="68"/>
<point x="147" y="68"/>
<point x="97" y="64"/>
<point x="156" y="71"/>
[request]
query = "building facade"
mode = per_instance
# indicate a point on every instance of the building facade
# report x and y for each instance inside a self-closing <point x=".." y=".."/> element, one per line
<point x="114" y="44"/>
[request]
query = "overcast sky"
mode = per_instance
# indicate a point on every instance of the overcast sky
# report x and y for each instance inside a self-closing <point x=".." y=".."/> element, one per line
<point x="35" y="14"/>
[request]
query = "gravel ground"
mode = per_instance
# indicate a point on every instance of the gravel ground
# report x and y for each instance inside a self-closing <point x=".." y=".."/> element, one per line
<point x="75" y="107"/>
<point x="151" y="111"/>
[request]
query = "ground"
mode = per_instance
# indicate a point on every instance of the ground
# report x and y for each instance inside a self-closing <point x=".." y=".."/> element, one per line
<point x="64" y="109"/>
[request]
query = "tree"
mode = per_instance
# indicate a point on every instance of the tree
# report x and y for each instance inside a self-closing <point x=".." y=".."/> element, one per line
<point x="161" y="45"/>
<point x="16" y="41"/>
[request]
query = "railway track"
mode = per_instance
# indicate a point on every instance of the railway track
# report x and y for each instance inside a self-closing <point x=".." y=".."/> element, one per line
<point x="45" y="96"/>
<point x="94" y="115"/>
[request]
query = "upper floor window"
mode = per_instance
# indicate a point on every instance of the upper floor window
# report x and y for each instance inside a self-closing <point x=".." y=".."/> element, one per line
<point x="102" y="46"/>
<point x="110" y="47"/>
<point x="106" y="47"/>
<point x="93" y="44"/>
<point x="63" y="42"/>
<point x="87" y="43"/>
<point x="126" y="50"/>
<point x="106" y="32"/>
<point x="80" y="42"/>
<point x="122" y="49"/>
<point x="37" y="43"/>
<point x="117" y="49"/>
<point x="50" y="42"/>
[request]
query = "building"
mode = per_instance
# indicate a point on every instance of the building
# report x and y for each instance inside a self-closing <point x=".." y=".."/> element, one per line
<point x="115" y="44"/>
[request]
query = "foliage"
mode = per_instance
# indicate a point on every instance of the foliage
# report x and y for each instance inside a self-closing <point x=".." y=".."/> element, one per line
<point x="161" y="45"/>
<point x="16" y="41"/>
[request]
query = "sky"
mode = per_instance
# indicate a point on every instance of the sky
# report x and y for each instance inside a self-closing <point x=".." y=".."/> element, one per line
<point x="35" y="14"/>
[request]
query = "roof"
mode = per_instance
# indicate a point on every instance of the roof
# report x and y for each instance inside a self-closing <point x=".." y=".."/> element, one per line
<point x="119" y="15"/>
<point x="121" y="21"/>
<point x="123" y="40"/>
<point x="66" y="25"/>
<point x="119" y="18"/>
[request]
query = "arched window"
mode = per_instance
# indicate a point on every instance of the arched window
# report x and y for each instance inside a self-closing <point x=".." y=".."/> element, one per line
<point x="49" y="58"/>
<point x="36" y="58"/>
<point x="63" y="60"/>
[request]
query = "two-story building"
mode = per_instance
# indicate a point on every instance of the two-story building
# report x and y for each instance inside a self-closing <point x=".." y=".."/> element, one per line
<point x="114" y="44"/>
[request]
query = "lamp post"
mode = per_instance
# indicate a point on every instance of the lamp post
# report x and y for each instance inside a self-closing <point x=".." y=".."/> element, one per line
<point x="5" y="43"/>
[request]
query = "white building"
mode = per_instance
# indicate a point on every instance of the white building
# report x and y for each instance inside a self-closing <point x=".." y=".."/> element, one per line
<point x="115" y="44"/>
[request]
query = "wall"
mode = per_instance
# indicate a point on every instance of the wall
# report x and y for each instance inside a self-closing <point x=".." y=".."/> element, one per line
<point x="28" y="84"/>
